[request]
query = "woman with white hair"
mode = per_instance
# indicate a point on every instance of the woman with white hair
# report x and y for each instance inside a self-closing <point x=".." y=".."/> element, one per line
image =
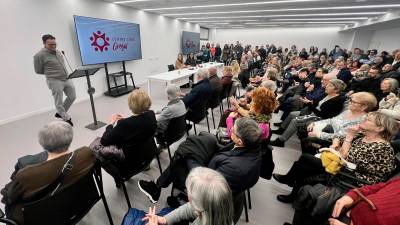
<point x="174" y="108"/>
<point x="210" y="201"/>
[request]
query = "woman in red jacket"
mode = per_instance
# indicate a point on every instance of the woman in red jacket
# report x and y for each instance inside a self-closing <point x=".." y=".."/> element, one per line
<point x="371" y="205"/>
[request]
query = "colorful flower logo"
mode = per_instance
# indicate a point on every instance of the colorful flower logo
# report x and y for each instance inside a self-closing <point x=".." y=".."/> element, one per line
<point x="100" y="41"/>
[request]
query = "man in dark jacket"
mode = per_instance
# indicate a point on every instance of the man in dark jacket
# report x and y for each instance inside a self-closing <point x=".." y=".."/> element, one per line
<point x="196" y="100"/>
<point x="344" y="72"/>
<point x="238" y="162"/>
<point x="216" y="86"/>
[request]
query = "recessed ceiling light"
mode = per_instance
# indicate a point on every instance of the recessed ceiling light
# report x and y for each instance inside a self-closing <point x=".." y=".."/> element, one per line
<point x="286" y="15"/>
<point x="288" y="10"/>
<point x="130" y="1"/>
<point x="321" y="19"/>
<point x="232" y="4"/>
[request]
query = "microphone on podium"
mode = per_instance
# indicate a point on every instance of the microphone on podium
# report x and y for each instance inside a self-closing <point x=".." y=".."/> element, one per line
<point x="66" y="59"/>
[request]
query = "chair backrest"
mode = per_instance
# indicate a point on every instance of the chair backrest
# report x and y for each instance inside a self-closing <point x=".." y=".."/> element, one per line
<point x="226" y="89"/>
<point x="66" y="207"/>
<point x="176" y="129"/>
<point x="171" y="67"/>
<point x="198" y="114"/>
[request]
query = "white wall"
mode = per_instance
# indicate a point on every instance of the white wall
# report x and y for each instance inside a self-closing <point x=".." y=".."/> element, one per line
<point x="385" y="40"/>
<point x="22" y="23"/>
<point x="285" y="37"/>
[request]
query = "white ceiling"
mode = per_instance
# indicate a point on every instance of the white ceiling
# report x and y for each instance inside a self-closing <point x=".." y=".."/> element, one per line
<point x="261" y="13"/>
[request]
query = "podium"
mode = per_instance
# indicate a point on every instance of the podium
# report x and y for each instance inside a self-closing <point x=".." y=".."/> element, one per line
<point x="87" y="73"/>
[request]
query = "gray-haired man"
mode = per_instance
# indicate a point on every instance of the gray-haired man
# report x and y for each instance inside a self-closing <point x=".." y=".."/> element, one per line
<point x="50" y="62"/>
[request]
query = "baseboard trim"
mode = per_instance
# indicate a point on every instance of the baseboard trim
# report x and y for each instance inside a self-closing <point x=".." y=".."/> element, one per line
<point x="43" y="110"/>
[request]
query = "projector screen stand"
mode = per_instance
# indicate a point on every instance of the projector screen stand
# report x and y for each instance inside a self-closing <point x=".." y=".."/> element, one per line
<point x="118" y="89"/>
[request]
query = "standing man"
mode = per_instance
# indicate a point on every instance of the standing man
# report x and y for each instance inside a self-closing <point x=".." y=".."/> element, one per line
<point x="50" y="62"/>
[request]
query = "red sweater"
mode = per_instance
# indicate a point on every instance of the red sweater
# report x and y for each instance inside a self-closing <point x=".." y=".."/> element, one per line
<point x="385" y="197"/>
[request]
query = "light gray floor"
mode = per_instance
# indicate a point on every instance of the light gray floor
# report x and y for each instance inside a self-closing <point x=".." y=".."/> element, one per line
<point x="20" y="138"/>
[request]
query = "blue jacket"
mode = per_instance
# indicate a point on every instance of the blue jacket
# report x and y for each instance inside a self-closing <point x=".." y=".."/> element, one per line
<point x="344" y="75"/>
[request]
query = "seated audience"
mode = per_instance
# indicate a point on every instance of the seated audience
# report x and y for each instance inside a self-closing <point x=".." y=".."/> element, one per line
<point x="179" y="62"/>
<point x="328" y="107"/>
<point x="262" y="105"/>
<point x="227" y="76"/>
<point x="216" y="86"/>
<point x="238" y="162"/>
<point x="360" y="104"/>
<point x="210" y="201"/>
<point x="33" y="173"/>
<point x="390" y="106"/>
<point x="190" y="60"/>
<point x="369" y="84"/>
<point x="370" y="205"/>
<point x="174" y="108"/>
<point x="344" y="73"/>
<point x="366" y="145"/>
<point x="134" y="134"/>
<point x="197" y="99"/>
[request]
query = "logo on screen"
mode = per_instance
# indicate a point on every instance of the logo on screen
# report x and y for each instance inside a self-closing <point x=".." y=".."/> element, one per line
<point x="100" y="41"/>
<point x="190" y="44"/>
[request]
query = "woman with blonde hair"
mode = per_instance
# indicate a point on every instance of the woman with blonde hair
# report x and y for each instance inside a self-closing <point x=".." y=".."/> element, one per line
<point x="133" y="134"/>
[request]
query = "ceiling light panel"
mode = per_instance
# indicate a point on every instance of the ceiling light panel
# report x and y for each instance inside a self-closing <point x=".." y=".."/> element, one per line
<point x="288" y="10"/>
<point x="234" y="4"/>
<point x="285" y="15"/>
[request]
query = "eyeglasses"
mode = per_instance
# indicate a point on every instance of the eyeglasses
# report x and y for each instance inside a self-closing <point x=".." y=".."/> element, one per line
<point x="354" y="102"/>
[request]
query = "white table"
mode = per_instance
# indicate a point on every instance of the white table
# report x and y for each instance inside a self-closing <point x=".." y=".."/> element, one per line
<point x="181" y="77"/>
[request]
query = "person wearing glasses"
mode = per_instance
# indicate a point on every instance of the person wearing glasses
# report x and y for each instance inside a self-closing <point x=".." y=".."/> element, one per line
<point x="50" y="62"/>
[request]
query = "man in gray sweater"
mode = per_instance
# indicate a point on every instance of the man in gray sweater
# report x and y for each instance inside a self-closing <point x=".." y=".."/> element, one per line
<point x="50" y="62"/>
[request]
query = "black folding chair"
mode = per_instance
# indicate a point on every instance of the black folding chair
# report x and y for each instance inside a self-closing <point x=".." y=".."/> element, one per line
<point x="171" y="67"/>
<point x="226" y="90"/>
<point x="130" y="170"/>
<point x="67" y="206"/>
<point x="196" y="116"/>
<point x="175" y="131"/>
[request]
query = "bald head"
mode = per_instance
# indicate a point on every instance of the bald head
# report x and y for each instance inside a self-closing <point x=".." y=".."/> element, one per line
<point x="212" y="71"/>
<point x="326" y="78"/>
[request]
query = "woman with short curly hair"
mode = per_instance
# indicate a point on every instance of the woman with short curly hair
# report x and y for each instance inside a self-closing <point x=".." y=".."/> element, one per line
<point x="262" y="106"/>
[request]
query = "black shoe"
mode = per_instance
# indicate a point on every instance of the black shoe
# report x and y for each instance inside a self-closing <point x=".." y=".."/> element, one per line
<point x="278" y="124"/>
<point x="57" y="115"/>
<point x="278" y="143"/>
<point x="150" y="189"/>
<point x="70" y="122"/>
<point x="285" y="198"/>
<point x="281" y="179"/>
<point x="279" y="131"/>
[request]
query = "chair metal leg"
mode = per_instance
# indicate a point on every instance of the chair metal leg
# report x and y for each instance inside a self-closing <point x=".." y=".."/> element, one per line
<point x="159" y="163"/>
<point x="212" y="115"/>
<point x="169" y="153"/>
<point x="194" y="127"/>
<point x="246" y="213"/>
<point x="208" y="124"/>
<point x="249" y="197"/>
<point x="126" y="195"/>
<point x="99" y="183"/>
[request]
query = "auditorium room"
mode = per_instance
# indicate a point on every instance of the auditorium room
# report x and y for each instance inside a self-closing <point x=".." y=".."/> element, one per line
<point x="200" y="112"/>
